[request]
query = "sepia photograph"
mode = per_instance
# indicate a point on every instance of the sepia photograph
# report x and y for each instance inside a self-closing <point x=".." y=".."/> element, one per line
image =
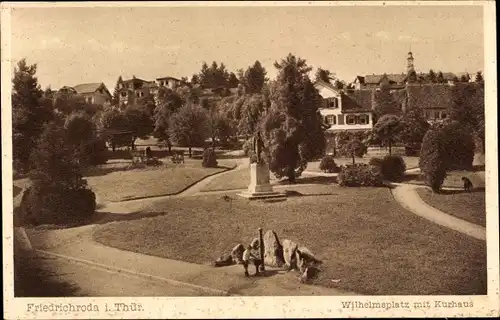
<point x="332" y="158"/>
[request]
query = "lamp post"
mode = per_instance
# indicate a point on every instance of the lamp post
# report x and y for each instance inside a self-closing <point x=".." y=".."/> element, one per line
<point x="261" y="249"/>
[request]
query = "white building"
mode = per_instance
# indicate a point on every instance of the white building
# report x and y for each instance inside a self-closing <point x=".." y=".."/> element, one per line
<point x="345" y="110"/>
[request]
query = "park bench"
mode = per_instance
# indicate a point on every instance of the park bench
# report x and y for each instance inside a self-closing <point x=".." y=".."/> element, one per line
<point x="178" y="157"/>
<point x="138" y="157"/>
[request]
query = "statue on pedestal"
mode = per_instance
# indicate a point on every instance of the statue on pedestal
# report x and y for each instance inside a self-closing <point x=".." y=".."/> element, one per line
<point x="258" y="145"/>
<point x="260" y="186"/>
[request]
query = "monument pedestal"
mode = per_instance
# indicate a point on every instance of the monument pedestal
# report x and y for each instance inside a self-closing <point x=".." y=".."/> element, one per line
<point x="260" y="186"/>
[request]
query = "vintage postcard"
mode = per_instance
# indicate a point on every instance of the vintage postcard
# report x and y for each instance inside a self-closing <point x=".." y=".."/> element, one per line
<point x="249" y="159"/>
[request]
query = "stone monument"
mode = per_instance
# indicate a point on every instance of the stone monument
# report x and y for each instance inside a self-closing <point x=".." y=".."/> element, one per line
<point x="260" y="186"/>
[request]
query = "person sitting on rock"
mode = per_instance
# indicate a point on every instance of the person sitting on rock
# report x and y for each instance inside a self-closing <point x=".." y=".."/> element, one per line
<point x="249" y="256"/>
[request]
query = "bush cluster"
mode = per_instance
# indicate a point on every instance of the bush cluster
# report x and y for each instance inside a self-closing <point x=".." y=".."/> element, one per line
<point x="328" y="164"/>
<point x="209" y="158"/>
<point x="391" y="167"/>
<point x="360" y="175"/>
<point x="56" y="204"/>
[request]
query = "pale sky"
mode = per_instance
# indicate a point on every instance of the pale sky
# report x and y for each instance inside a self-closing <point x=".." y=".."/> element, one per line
<point x="80" y="45"/>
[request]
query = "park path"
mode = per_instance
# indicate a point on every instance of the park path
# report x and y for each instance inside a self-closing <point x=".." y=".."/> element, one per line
<point x="408" y="198"/>
<point x="76" y="245"/>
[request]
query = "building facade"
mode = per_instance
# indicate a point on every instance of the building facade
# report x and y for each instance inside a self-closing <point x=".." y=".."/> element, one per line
<point x="345" y="110"/>
<point x="93" y="93"/>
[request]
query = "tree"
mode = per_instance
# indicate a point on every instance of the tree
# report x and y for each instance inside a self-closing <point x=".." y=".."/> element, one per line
<point x="53" y="161"/>
<point x="338" y="84"/>
<point x="169" y="102"/>
<point x="66" y="103"/>
<point x="195" y="79"/>
<point x="467" y="108"/>
<point x="116" y="93"/>
<point x="384" y="103"/>
<point x="215" y="76"/>
<point x="30" y="111"/>
<point x="58" y="193"/>
<point x="222" y="128"/>
<point x="250" y="113"/>
<point x="350" y="145"/>
<point x="232" y="82"/>
<point x="440" y="78"/>
<point x="431" y="77"/>
<point x="147" y="102"/>
<point x="113" y="126"/>
<point x="189" y="127"/>
<point x="292" y="128"/>
<point x="387" y="130"/>
<point x="413" y="129"/>
<point x="324" y="75"/>
<point x="81" y="133"/>
<point x="254" y="78"/>
<point x="479" y="77"/>
<point x="138" y="122"/>
<point x="464" y="78"/>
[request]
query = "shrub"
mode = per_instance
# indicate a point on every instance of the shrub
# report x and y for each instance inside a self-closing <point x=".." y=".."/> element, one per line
<point x="393" y="167"/>
<point x="359" y="175"/>
<point x="209" y="158"/>
<point x="432" y="160"/>
<point x="55" y="204"/>
<point x="328" y="164"/>
<point x="376" y="162"/>
<point x="446" y="146"/>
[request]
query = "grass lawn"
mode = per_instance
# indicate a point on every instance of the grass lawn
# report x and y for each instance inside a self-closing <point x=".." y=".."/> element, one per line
<point x="411" y="162"/>
<point x="152" y="181"/>
<point x="374" y="249"/>
<point x="239" y="179"/>
<point x="463" y="205"/>
<point x="453" y="179"/>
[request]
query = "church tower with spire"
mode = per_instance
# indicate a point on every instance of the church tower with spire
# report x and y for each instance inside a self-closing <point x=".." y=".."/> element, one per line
<point x="411" y="75"/>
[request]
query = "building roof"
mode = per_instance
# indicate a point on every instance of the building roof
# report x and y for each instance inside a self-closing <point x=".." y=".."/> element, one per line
<point x="326" y="85"/>
<point x="376" y="78"/>
<point x="87" y="87"/>
<point x="429" y="96"/>
<point x="357" y="101"/>
<point x="168" y="78"/>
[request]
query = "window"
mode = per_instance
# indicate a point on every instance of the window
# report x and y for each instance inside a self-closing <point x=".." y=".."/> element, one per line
<point x="363" y="119"/>
<point x="124" y="94"/>
<point x="443" y="115"/>
<point x="333" y="103"/>
<point x="351" y="119"/>
<point x="90" y="100"/>
<point x="141" y="94"/>
<point x="331" y="119"/>
<point x="427" y="114"/>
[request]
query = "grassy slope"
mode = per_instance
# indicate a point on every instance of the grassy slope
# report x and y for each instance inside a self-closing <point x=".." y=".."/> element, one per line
<point x="379" y="249"/>
<point x="467" y="206"/>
